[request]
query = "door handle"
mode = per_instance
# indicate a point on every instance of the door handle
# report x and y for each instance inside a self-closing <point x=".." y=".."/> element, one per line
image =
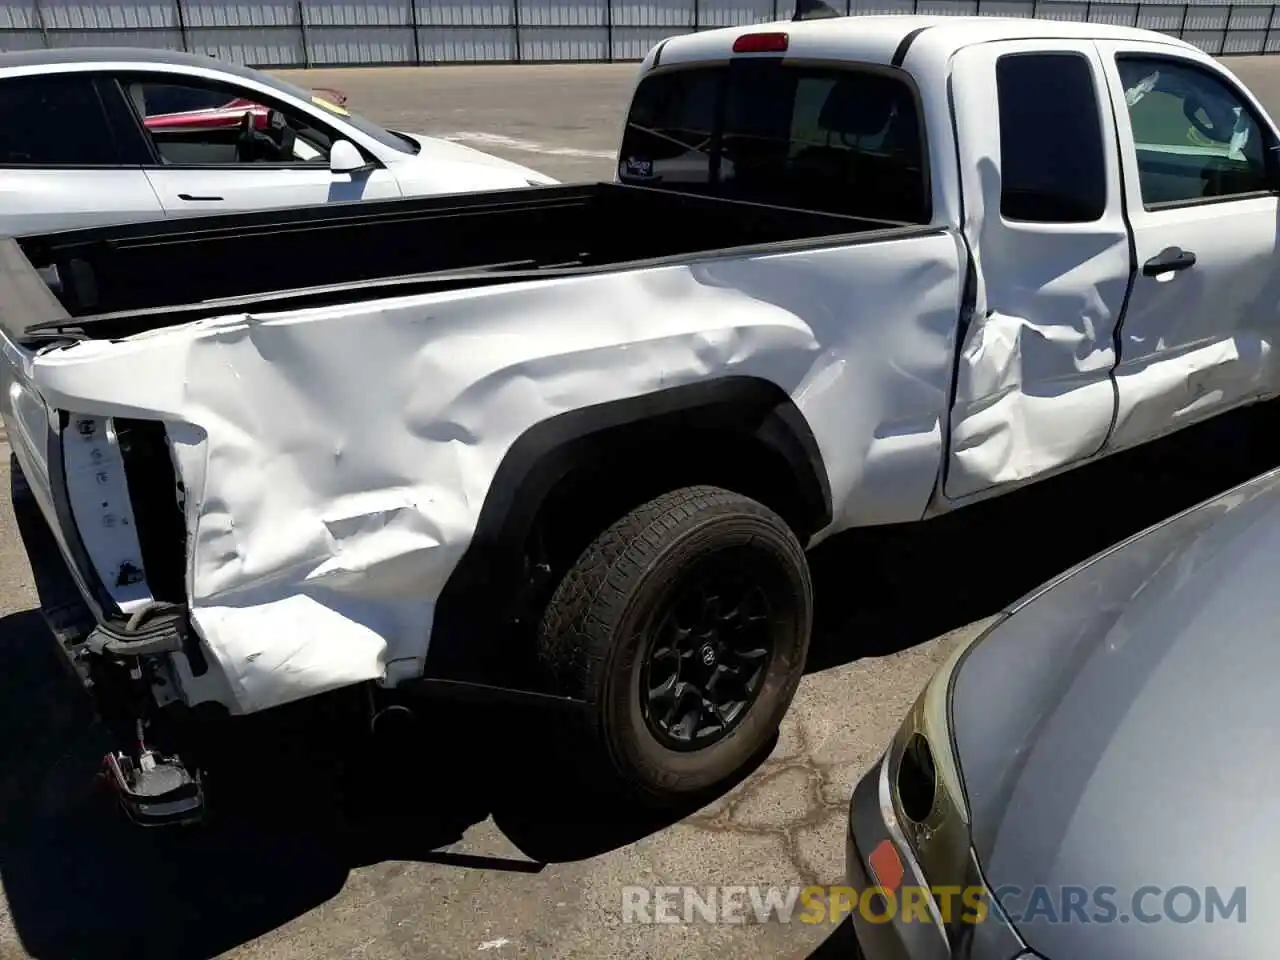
<point x="1168" y="260"/>
<point x="189" y="196"/>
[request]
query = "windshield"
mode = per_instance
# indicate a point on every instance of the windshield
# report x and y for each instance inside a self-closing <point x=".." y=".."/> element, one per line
<point x="846" y="140"/>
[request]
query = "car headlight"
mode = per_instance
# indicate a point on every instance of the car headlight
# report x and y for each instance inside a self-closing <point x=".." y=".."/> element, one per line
<point x="925" y="788"/>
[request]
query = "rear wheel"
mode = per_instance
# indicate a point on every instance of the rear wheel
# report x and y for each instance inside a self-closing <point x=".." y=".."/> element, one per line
<point x="684" y="626"/>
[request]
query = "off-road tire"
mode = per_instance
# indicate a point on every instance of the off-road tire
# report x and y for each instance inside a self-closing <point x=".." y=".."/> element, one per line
<point x="591" y="637"/>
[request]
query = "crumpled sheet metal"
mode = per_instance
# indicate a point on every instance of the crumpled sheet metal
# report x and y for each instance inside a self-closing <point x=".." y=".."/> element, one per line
<point x="1034" y="389"/>
<point x="336" y="459"/>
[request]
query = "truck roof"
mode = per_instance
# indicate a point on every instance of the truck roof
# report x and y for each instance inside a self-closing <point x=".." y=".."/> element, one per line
<point x="875" y="39"/>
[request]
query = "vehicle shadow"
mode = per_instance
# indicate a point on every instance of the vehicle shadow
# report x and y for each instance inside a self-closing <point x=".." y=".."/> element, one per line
<point x="885" y="589"/>
<point x="299" y="815"/>
<point x="82" y="885"/>
<point x="79" y="882"/>
<point x="842" y="944"/>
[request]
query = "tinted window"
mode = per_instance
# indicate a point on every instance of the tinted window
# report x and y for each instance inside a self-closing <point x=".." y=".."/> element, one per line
<point x="160" y="98"/>
<point x="53" y="120"/>
<point x="1195" y="137"/>
<point x="846" y="140"/>
<point x="668" y="134"/>
<point x="1051" y="161"/>
<point x="199" y="124"/>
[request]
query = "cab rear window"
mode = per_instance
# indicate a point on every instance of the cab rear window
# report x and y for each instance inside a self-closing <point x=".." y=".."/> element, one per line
<point x="847" y="140"/>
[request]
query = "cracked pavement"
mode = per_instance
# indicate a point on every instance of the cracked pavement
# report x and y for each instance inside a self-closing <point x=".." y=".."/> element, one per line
<point x="475" y="861"/>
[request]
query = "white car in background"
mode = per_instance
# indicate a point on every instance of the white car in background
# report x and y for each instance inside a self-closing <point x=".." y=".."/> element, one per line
<point x="96" y="136"/>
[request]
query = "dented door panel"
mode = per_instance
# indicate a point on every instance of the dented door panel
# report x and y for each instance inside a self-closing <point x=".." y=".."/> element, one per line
<point x="1201" y="340"/>
<point x="1034" y="390"/>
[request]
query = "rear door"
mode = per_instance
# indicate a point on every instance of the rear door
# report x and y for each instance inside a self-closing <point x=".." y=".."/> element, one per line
<point x="1203" y="323"/>
<point x="227" y="148"/>
<point x="1044" y="218"/>
<point x="61" y="163"/>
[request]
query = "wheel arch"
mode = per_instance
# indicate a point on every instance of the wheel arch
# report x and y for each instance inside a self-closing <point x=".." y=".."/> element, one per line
<point x="747" y="429"/>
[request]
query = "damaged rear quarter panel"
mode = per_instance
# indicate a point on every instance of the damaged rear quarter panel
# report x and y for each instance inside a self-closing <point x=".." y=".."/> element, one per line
<point x="336" y="459"/>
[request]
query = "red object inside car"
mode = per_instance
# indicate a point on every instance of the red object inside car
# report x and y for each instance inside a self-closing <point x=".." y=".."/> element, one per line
<point x="229" y="114"/>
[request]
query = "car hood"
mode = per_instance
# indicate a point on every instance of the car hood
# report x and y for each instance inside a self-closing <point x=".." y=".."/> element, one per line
<point x="467" y="163"/>
<point x="1120" y="730"/>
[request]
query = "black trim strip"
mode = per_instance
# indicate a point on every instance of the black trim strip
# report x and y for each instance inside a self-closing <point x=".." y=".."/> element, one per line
<point x="657" y="53"/>
<point x="904" y="46"/>
<point x="1117" y="332"/>
<point x="50" y="167"/>
<point x="1163" y="205"/>
<point x="969" y="296"/>
<point x="134" y="147"/>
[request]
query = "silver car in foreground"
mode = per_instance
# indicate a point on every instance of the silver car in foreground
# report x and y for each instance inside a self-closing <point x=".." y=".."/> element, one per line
<point x="1094" y="775"/>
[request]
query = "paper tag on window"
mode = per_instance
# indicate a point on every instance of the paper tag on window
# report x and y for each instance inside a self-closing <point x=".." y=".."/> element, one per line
<point x="638" y="167"/>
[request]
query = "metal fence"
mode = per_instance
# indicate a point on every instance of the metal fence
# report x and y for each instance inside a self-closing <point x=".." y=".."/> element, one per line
<point x="298" y="33"/>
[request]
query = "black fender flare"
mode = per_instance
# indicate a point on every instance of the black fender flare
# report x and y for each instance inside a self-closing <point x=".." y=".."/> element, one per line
<point x="478" y="593"/>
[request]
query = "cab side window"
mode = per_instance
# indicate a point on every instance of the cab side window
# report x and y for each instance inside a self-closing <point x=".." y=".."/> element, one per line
<point x="198" y="124"/>
<point x="1196" y="139"/>
<point x="1052" y="164"/>
<point x="54" y="120"/>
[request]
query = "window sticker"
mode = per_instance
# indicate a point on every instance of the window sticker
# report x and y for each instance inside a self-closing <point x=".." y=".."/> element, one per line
<point x="638" y="167"/>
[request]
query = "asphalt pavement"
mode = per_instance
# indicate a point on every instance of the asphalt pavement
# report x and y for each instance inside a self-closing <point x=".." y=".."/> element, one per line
<point x="463" y="843"/>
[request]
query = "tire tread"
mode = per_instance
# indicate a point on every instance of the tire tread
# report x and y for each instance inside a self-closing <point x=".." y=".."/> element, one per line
<point x="577" y="632"/>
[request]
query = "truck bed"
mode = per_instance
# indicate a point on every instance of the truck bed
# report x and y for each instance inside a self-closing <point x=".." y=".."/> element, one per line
<point x="133" y="277"/>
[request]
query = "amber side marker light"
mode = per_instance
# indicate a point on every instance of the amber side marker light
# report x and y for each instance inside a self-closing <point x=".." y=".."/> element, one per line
<point x="761" y="43"/>
<point x="886" y="866"/>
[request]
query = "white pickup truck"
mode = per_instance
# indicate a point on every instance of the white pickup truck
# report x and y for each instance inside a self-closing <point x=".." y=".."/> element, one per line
<point x="572" y="442"/>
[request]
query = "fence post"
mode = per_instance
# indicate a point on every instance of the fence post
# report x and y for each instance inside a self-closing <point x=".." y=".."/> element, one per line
<point x="182" y="25"/>
<point x="302" y="29"/>
<point x="515" y="26"/>
<point x="44" y="27"/>
<point x="608" y="30"/>
<point x="413" y="25"/>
